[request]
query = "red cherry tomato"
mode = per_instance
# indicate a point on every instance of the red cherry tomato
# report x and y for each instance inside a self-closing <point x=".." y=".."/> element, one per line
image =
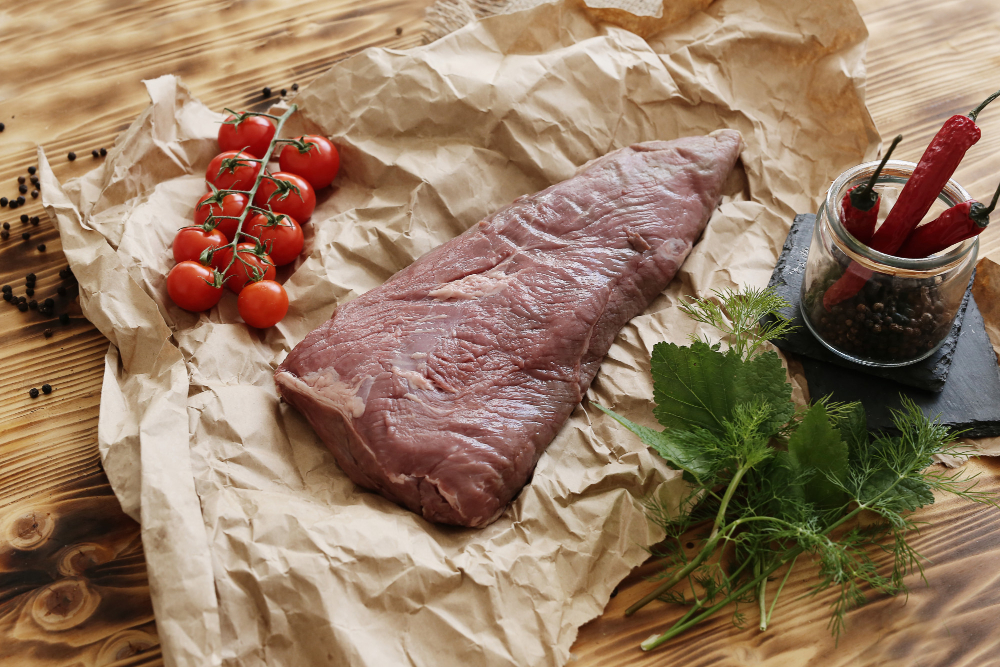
<point x="299" y="204"/>
<point x="190" y="286"/>
<point x="318" y="165"/>
<point x="252" y="134"/>
<point x="191" y="241"/>
<point x="283" y="241"/>
<point x="226" y="172"/>
<point x="232" y="207"/>
<point x="240" y="274"/>
<point x="262" y="304"/>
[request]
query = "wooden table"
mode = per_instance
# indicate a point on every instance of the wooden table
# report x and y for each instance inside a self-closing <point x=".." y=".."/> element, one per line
<point x="70" y="82"/>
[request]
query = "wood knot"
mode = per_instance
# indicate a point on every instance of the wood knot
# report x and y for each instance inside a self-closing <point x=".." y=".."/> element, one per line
<point x="125" y="644"/>
<point x="28" y="531"/>
<point x="64" y="604"/>
<point x="76" y="559"/>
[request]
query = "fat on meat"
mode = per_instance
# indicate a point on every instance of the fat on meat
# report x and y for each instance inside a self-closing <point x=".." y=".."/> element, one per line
<point x="441" y="388"/>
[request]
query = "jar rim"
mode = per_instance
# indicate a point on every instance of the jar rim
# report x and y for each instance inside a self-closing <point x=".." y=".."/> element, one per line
<point x="871" y="258"/>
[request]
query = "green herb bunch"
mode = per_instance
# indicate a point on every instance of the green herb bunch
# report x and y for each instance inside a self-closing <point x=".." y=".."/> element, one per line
<point x="770" y="483"/>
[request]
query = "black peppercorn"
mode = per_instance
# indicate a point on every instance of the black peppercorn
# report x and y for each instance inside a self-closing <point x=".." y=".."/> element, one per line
<point x="399" y="31"/>
<point x="48" y="333"/>
<point x="24" y="218"/>
<point x="104" y="151"/>
<point x="13" y="205"/>
<point x="266" y="92"/>
<point x="295" y="86"/>
<point x="33" y="393"/>
<point x="21" y="179"/>
<point x="4" y="234"/>
<point x="46" y="388"/>
<point x="71" y="156"/>
<point x="6" y="289"/>
<point x="64" y="273"/>
<point x="284" y="92"/>
<point x="34" y="194"/>
<point x="94" y="154"/>
<point x="2" y="126"/>
<point x="64" y="318"/>
<point x="3" y="201"/>
<point x="26" y="236"/>
<point x="34" y="180"/>
<point x="50" y="302"/>
<point x="23" y="307"/>
<point x="32" y="170"/>
<point x="35" y="220"/>
<point x="20" y="201"/>
<point x="6" y="225"/>
<point x="61" y="291"/>
<point x="30" y="291"/>
<point x="31" y="277"/>
<point x="41" y="248"/>
<point x="7" y="296"/>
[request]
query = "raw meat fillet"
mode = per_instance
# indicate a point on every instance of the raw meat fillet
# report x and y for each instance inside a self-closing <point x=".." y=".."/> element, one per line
<point x="441" y="388"/>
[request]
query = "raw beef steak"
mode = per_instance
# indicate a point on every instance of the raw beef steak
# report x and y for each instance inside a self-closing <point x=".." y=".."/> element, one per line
<point x="441" y="388"/>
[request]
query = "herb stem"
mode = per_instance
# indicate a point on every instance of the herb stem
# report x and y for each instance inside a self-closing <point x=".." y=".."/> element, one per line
<point x="774" y="602"/>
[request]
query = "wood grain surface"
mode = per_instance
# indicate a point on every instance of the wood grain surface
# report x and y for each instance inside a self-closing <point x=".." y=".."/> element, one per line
<point x="73" y="588"/>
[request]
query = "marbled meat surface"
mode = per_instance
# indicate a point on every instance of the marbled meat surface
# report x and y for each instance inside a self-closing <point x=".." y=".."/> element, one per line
<point x="441" y="388"/>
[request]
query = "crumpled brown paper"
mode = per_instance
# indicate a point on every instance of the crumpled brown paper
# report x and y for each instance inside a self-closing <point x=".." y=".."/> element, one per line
<point x="260" y="551"/>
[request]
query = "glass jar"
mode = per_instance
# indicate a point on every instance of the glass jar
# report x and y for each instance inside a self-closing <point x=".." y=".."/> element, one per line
<point x="902" y="309"/>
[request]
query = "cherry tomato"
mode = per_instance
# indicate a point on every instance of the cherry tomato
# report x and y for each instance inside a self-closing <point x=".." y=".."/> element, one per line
<point x="318" y="165"/>
<point x="191" y="286"/>
<point x="232" y="207"/>
<point x="252" y="134"/>
<point x="225" y="173"/>
<point x="283" y="241"/>
<point x="298" y="205"/>
<point x="262" y="304"/>
<point x="191" y="241"/>
<point x="240" y="274"/>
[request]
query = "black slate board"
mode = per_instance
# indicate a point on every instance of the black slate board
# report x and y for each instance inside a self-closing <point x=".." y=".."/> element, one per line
<point x="929" y="374"/>
<point x="970" y="399"/>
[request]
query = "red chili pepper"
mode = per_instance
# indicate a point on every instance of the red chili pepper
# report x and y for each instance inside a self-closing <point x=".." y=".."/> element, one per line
<point x="935" y="167"/>
<point x="960" y="222"/>
<point x="859" y="207"/>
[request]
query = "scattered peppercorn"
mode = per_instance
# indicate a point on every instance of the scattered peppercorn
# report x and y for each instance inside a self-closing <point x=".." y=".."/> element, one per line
<point x="29" y="291"/>
<point x="46" y="388"/>
<point x="2" y="126"/>
<point x="22" y="306"/>
<point x="295" y="86"/>
<point x="33" y="304"/>
<point x="6" y="289"/>
<point x="32" y="170"/>
<point x="49" y="302"/>
<point x="61" y="291"/>
<point x="3" y="201"/>
<point x="23" y="189"/>
<point x="71" y="156"/>
<point x="20" y="201"/>
<point x="13" y="205"/>
<point x="4" y="234"/>
<point x="6" y="225"/>
<point x="34" y="194"/>
<point x="35" y="220"/>
<point x="64" y="273"/>
<point x="64" y="318"/>
<point x="7" y="296"/>
<point x="33" y="393"/>
<point x="24" y="218"/>
<point x="41" y="248"/>
<point x="266" y="92"/>
<point x="104" y="151"/>
<point x="21" y="179"/>
<point x="399" y="31"/>
<point x="94" y="154"/>
<point x="30" y="278"/>
<point x="33" y="180"/>
<point x="48" y="333"/>
<point x="26" y="236"/>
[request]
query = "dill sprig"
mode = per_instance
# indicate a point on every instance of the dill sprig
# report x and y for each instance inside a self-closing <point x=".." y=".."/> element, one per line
<point x="769" y="482"/>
